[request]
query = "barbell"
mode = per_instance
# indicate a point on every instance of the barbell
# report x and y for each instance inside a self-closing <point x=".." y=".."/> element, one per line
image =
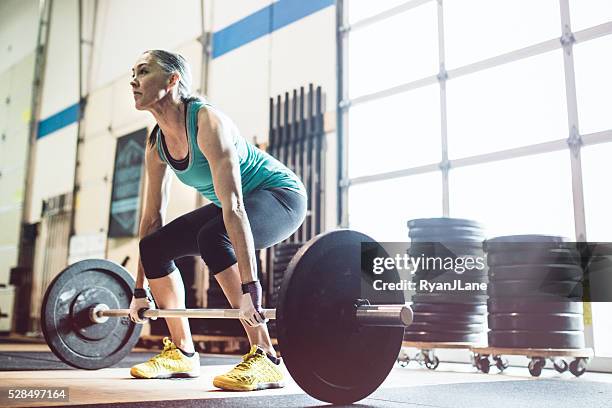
<point x="337" y="346"/>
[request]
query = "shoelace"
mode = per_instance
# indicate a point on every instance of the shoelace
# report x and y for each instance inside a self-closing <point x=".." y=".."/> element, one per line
<point x="167" y="352"/>
<point x="248" y="360"/>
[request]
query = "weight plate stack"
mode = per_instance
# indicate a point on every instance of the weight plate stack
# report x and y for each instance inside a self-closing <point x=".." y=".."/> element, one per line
<point x="535" y="292"/>
<point x="445" y="310"/>
<point x="282" y="255"/>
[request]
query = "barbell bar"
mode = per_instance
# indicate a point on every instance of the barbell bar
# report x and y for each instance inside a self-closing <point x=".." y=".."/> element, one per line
<point x="366" y="315"/>
<point x="336" y="346"/>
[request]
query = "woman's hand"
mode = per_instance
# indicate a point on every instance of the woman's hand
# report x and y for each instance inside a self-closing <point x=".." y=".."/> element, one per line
<point x="140" y="300"/>
<point x="250" y="304"/>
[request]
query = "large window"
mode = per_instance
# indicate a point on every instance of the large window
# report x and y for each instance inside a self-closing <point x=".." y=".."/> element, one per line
<point x="404" y="48"/>
<point x="593" y="66"/>
<point x="507" y="106"/>
<point x="403" y="129"/>
<point x="526" y="195"/>
<point x="382" y="208"/>
<point x="496" y="111"/>
<point x="479" y="29"/>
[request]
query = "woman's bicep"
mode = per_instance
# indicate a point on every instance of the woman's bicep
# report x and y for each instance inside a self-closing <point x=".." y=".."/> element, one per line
<point x="217" y="145"/>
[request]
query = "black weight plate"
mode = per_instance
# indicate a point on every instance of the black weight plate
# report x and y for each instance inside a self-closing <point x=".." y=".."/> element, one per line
<point x="445" y="327"/>
<point x="430" y="317"/>
<point x="527" y="238"/>
<point x="449" y="307"/>
<point x="70" y="334"/>
<point x="449" y="278"/>
<point x="315" y="320"/>
<point x="553" y="256"/>
<point x="442" y="222"/>
<point x="512" y="288"/>
<point x="443" y="337"/>
<point x="536" y="322"/>
<point x="286" y="249"/>
<point x="284" y="259"/>
<point x="443" y="291"/>
<point x="449" y="298"/>
<point x="279" y="271"/>
<point x="456" y="247"/>
<point x="534" y="339"/>
<point x="466" y="274"/>
<point x="540" y="273"/>
<point x="443" y="231"/>
<point x="532" y="305"/>
<point x="448" y="239"/>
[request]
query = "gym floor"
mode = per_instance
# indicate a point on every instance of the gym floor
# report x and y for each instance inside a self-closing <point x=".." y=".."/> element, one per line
<point x="450" y="385"/>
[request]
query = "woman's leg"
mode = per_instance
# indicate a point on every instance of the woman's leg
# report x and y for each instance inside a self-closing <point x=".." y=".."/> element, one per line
<point x="229" y="280"/>
<point x="157" y="253"/>
<point x="274" y="214"/>
<point x="169" y="293"/>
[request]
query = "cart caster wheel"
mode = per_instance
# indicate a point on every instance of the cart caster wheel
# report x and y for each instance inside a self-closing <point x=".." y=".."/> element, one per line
<point x="403" y="361"/>
<point x="483" y="364"/>
<point x="535" y="366"/>
<point x="577" y="367"/>
<point x="501" y="364"/>
<point x="432" y="364"/>
<point x="561" y="366"/>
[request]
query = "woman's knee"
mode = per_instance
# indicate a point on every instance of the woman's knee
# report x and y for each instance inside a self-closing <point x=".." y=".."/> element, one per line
<point x="152" y="257"/>
<point x="216" y="248"/>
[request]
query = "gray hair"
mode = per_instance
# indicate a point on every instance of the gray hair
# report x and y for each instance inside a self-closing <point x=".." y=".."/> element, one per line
<point x="171" y="62"/>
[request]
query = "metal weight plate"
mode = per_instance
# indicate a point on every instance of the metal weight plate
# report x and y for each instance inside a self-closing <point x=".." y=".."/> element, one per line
<point x="448" y="279"/>
<point x="288" y="248"/>
<point x="553" y="256"/>
<point x="69" y="332"/>
<point x="444" y="337"/>
<point x="475" y="275"/>
<point x="444" y="231"/>
<point x="449" y="308"/>
<point x="542" y="273"/>
<point x="511" y="243"/>
<point x="533" y="305"/>
<point x="448" y="239"/>
<point x="536" y="339"/>
<point x="283" y="259"/>
<point x="446" y="327"/>
<point x="328" y="355"/>
<point x="558" y="289"/>
<point x="443" y="222"/>
<point x="430" y="317"/>
<point x="533" y="321"/>
<point x="449" y="298"/>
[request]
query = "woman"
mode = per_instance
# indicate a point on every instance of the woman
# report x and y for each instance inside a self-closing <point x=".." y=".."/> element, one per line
<point x="256" y="202"/>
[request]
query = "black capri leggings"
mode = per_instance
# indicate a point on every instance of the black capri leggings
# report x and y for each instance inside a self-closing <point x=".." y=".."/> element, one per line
<point x="274" y="214"/>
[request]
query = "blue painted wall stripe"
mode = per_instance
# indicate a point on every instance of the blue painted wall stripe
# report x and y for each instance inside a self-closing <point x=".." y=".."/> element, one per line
<point x="262" y="22"/>
<point x="59" y="120"/>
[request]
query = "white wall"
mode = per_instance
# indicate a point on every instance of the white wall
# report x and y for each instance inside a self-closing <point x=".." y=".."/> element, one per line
<point x="127" y="28"/>
<point x="18" y="30"/>
<point x="240" y="83"/>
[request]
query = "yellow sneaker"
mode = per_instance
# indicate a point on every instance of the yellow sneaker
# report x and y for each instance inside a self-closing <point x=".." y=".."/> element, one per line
<point x="255" y="372"/>
<point x="170" y="363"/>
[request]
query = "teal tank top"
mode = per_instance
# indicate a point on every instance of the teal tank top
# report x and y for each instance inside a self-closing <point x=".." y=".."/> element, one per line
<point x="258" y="170"/>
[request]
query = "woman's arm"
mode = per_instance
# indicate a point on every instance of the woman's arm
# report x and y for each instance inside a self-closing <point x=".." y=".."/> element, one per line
<point x="217" y="145"/>
<point x="157" y="193"/>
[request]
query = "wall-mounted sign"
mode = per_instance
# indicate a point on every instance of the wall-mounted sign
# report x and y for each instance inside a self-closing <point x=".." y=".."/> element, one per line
<point x="125" y="198"/>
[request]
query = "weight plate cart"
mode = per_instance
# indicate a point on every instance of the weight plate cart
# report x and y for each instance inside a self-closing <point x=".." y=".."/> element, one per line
<point x="559" y="357"/>
<point x="426" y="355"/>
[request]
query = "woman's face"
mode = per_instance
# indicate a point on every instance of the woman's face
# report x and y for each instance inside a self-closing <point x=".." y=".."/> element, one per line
<point x="149" y="83"/>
